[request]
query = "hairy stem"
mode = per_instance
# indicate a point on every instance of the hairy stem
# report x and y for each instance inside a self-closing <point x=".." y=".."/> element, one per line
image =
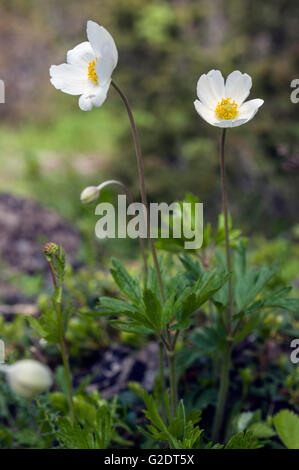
<point x="65" y="360"/>
<point x="224" y="385"/>
<point x="224" y="380"/>
<point x="226" y="230"/>
<point x="62" y="342"/>
<point x="173" y="381"/>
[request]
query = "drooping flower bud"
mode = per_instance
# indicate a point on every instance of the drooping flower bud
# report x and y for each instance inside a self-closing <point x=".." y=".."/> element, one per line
<point x="28" y="378"/>
<point x="89" y="194"/>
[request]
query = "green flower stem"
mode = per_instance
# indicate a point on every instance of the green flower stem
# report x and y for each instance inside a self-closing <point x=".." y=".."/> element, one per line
<point x="142" y="184"/>
<point x="173" y="381"/>
<point x="224" y="380"/>
<point x="162" y="378"/>
<point x="226" y="230"/>
<point x="64" y="356"/>
<point x="62" y="343"/>
<point x="161" y="365"/>
<point x="224" y="385"/>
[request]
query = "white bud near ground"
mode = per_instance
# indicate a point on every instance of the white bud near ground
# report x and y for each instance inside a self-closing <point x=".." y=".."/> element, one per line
<point x="89" y="194"/>
<point x="28" y="378"/>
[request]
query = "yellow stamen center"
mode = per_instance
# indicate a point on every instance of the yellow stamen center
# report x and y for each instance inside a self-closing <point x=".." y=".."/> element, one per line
<point x="226" y="109"/>
<point x="92" y="72"/>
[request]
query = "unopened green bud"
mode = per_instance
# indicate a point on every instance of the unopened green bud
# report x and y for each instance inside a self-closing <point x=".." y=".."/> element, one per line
<point x="29" y="378"/>
<point x="50" y="249"/>
<point x="90" y="194"/>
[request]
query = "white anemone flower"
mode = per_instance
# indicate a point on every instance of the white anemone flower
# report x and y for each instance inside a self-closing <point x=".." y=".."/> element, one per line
<point x="88" y="69"/>
<point x="222" y="104"/>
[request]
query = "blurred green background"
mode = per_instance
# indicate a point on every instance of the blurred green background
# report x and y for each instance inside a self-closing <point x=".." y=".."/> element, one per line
<point x="50" y="150"/>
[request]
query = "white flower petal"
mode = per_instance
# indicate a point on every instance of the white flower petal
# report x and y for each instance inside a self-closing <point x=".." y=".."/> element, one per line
<point x="217" y="84"/>
<point x="238" y="86"/>
<point x="225" y="123"/>
<point x="205" y="112"/>
<point x="95" y="98"/>
<point x="101" y="95"/>
<point x="81" y="55"/>
<point x="101" y="40"/>
<point x="249" y="109"/>
<point x="104" y="68"/>
<point x="69" y="79"/>
<point x="205" y="92"/>
<point x="85" y="103"/>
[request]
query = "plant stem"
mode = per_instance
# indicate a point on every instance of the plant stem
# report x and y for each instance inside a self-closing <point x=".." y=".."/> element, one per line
<point x="161" y="365"/>
<point x="224" y="385"/>
<point x="162" y="379"/>
<point x="224" y="380"/>
<point x="61" y="342"/>
<point x="142" y="184"/>
<point x="64" y="356"/>
<point x="173" y="382"/>
<point x="226" y="230"/>
<point x="150" y="239"/>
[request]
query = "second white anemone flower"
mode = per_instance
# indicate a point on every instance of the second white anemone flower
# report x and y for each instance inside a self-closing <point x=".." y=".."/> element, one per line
<point x="222" y="104"/>
<point x="88" y="69"/>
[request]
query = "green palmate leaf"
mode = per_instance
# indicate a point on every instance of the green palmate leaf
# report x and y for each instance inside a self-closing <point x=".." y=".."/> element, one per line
<point x="130" y="327"/>
<point x="111" y="305"/>
<point x="168" y="308"/>
<point x="181" y="431"/>
<point x="153" y="309"/>
<point x="193" y="297"/>
<point x="46" y="326"/>
<point x="248" y="328"/>
<point x="209" y="284"/>
<point x="240" y="259"/>
<point x="97" y="435"/>
<point x="157" y="431"/>
<point x="129" y="286"/>
<point x="262" y="431"/>
<point x="104" y="428"/>
<point x="193" y="268"/>
<point x="152" y="281"/>
<point x="118" y="307"/>
<point x="243" y="440"/>
<point x="234" y="234"/>
<point x="279" y="300"/>
<point x="189" y="305"/>
<point x="287" y="426"/>
<point x="211" y="338"/>
<point x="250" y="285"/>
<point x="74" y="436"/>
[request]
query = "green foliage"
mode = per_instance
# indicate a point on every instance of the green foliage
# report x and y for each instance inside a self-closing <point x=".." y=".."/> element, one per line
<point x="82" y="437"/>
<point x="180" y="432"/>
<point x="178" y="42"/>
<point x="146" y="313"/>
<point x="243" y="440"/>
<point x="47" y="325"/>
<point x="287" y="426"/>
